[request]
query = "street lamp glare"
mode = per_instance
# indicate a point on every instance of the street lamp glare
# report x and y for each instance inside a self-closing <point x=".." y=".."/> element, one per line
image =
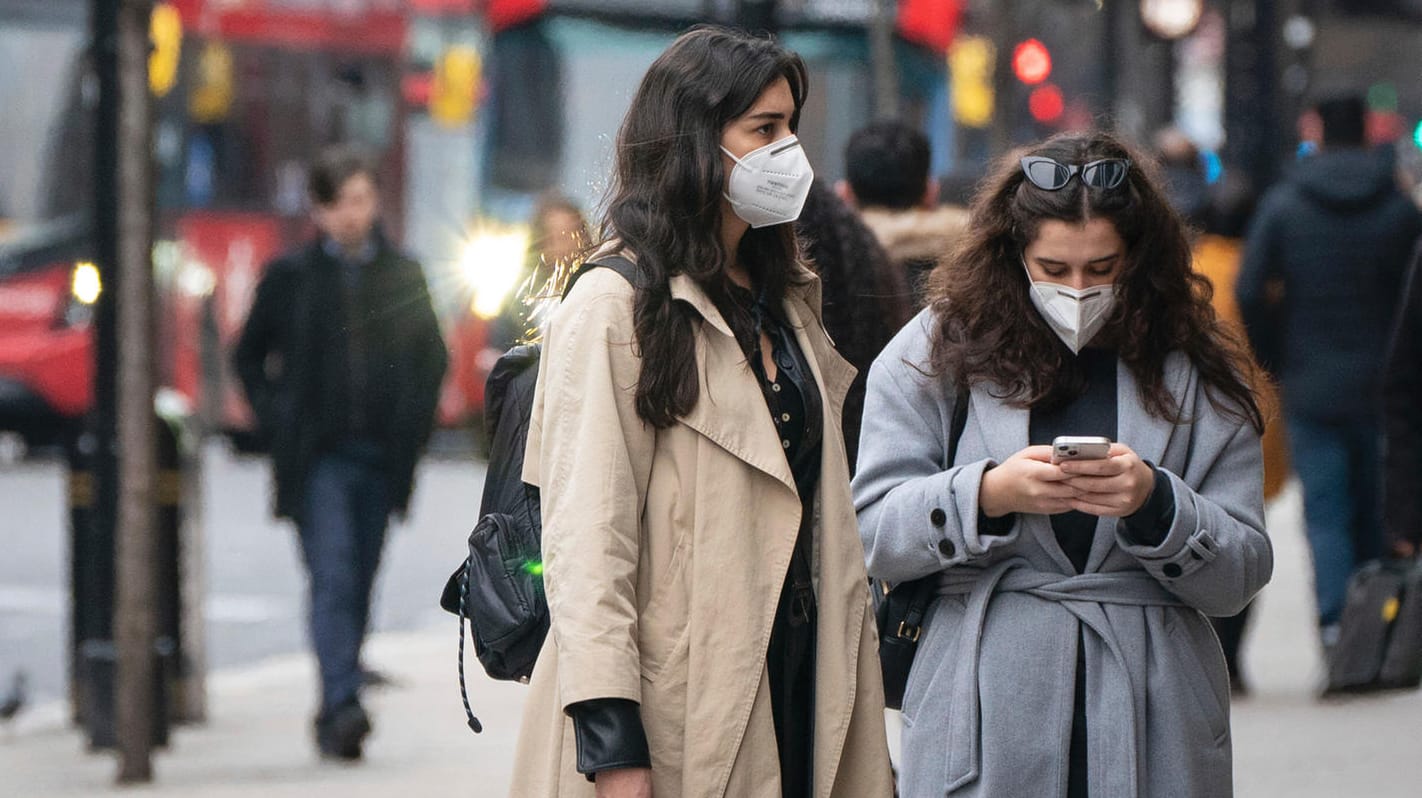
<point x="1172" y="19"/>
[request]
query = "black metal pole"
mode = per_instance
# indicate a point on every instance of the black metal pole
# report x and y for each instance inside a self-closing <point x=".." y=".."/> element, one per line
<point x="1252" y="126"/>
<point x="93" y="544"/>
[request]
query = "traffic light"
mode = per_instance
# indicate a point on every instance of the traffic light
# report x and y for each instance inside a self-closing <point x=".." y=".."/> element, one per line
<point x="1031" y="62"/>
<point x="1417" y="135"/>
<point x="970" y="62"/>
<point x="1046" y="103"/>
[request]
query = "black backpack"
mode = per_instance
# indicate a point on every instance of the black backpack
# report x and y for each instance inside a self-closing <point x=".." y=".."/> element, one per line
<point x="498" y="588"/>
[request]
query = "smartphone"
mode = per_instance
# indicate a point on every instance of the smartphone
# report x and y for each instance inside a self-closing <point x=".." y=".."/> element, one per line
<point x="1080" y="447"/>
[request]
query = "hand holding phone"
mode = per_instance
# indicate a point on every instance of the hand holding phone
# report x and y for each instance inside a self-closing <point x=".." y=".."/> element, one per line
<point x="1080" y="447"/>
<point x="1113" y="486"/>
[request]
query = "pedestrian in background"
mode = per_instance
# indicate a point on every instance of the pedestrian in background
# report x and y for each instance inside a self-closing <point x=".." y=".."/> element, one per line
<point x="1067" y="652"/>
<point x="1317" y="290"/>
<point x="1218" y="251"/>
<point x="710" y="618"/>
<point x="558" y="233"/>
<point x="1402" y="421"/>
<point x="1218" y="216"/>
<point x="866" y="297"/>
<point x="888" y="181"/>
<point x="341" y="359"/>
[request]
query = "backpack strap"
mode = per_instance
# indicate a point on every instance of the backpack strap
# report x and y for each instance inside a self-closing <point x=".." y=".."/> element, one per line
<point x="617" y="263"/>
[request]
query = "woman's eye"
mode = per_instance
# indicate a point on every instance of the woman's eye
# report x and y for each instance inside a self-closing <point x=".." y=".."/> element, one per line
<point x="763" y="130"/>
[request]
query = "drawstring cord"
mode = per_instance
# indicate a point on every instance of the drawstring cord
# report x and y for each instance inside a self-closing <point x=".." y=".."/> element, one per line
<point x="474" y="723"/>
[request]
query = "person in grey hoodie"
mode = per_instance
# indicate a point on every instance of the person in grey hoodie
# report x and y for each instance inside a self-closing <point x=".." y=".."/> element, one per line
<point x="1323" y="266"/>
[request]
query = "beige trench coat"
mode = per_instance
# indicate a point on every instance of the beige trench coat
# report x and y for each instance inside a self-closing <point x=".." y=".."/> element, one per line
<point x="664" y="556"/>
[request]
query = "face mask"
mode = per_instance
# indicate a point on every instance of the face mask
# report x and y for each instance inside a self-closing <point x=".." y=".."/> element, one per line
<point x="1076" y="316"/>
<point x="769" y="185"/>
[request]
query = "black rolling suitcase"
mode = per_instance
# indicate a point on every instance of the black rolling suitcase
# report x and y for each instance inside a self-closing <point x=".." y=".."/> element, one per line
<point x="1380" y="634"/>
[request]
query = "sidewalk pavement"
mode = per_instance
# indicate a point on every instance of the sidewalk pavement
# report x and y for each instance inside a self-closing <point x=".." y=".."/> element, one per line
<point x="258" y="739"/>
<point x="1286" y="743"/>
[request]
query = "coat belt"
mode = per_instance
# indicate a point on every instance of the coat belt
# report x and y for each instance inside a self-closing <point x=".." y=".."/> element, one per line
<point x="1082" y="595"/>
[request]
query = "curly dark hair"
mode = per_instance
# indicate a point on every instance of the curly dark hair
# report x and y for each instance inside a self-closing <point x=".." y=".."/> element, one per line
<point x="666" y="199"/>
<point x="988" y="330"/>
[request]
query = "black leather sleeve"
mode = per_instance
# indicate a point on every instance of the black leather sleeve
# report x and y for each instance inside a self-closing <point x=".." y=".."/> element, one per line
<point x="609" y="735"/>
<point x="1149" y="525"/>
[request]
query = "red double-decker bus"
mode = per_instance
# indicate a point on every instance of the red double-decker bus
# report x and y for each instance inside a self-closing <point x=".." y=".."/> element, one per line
<point x="249" y="91"/>
<point x="472" y="106"/>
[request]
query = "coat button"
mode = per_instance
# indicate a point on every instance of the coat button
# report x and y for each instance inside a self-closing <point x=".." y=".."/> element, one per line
<point x="1171" y="569"/>
<point x="938" y="517"/>
<point x="946" y="548"/>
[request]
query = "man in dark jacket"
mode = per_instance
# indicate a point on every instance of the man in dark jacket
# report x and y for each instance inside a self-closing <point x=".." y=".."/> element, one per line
<point x="1322" y="268"/>
<point x="888" y="183"/>
<point x="1402" y="421"/>
<point x="341" y="359"/>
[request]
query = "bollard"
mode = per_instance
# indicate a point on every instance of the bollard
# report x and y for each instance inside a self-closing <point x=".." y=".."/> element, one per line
<point x="92" y="653"/>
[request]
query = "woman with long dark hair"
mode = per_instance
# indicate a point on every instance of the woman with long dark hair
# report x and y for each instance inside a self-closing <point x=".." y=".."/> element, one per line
<point x="1067" y="651"/>
<point x="710" y="628"/>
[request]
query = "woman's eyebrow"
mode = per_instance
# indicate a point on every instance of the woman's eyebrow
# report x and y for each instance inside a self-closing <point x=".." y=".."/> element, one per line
<point x="766" y="115"/>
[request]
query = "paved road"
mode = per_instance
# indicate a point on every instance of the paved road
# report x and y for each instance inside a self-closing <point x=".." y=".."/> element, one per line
<point x="254" y="583"/>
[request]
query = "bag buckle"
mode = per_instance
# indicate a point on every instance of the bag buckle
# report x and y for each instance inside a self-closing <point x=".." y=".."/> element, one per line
<point x="909" y="633"/>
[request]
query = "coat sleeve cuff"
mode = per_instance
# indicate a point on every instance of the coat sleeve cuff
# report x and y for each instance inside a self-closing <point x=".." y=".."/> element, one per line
<point x="609" y="735"/>
<point x="1185" y="547"/>
<point x="1149" y="525"/>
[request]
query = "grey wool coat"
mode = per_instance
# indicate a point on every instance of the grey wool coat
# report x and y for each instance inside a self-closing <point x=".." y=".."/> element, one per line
<point x="989" y="703"/>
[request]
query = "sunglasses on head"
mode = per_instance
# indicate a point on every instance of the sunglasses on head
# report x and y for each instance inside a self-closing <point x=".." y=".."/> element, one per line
<point x="1050" y="175"/>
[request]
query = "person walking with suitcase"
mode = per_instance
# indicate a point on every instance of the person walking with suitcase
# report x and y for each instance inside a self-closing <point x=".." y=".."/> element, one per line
<point x="1317" y="290"/>
<point x="1067" y="650"/>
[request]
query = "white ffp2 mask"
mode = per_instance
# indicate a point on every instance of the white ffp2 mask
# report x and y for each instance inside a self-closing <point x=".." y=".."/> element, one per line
<point x="769" y="185"/>
<point x="1076" y="316"/>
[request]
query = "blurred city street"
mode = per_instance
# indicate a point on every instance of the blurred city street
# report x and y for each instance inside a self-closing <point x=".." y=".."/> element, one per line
<point x="1286" y="743"/>
<point x="318" y="226"/>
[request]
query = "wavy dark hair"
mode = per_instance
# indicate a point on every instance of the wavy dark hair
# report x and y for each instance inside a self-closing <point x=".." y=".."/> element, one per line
<point x="666" y="197"/>
<point x="989" y="331"/>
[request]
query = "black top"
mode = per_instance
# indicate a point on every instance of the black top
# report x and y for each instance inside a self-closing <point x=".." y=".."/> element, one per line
<point x="796" y="408"/>
<point x="1091" y="413"/>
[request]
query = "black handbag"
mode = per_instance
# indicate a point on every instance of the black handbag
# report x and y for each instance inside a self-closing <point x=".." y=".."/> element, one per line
<point x="1380" y="633"/>
<point x="900" y="608"/>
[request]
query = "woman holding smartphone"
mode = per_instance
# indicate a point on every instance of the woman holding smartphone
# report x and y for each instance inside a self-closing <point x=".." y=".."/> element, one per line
<point x="1067" y="653"/>
<point x="710" y="617"/>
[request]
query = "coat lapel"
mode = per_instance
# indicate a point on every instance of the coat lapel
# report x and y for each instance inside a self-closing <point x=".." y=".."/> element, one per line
<point x="731" y="411"/>
<point x="1003" y="425"/>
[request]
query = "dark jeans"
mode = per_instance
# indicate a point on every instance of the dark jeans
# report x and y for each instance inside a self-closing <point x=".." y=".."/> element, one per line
<point x="342" y="534"/>
<point x="1338" y="465"/>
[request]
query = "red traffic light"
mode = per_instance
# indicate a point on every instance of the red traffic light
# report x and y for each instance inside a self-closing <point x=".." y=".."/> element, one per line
<point x="1031" y="62"/>
<point x="1046" y="103"/>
